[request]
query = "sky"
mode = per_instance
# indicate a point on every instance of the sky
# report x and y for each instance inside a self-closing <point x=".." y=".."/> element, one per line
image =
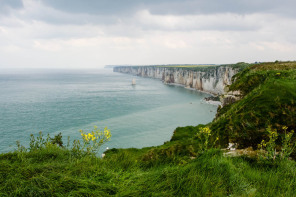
<point x="93" y="33"/>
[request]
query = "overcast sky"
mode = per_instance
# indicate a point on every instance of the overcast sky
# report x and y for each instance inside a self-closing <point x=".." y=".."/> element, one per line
<point x="94" y="33"/>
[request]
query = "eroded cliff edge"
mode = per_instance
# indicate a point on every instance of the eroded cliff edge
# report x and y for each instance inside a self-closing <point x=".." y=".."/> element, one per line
<point x="210" y="79"/>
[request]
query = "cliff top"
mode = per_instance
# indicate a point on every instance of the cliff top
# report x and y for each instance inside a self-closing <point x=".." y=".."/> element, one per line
<point x="194" y="67"/>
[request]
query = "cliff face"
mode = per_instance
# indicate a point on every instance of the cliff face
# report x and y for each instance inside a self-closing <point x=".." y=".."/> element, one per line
<point x="212" y="79"/>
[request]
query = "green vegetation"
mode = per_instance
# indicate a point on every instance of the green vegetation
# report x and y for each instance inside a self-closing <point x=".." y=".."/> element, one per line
<point x="204" y="68"/>
<point x="268" y="99"/>
<point x="190" y="164"/>
<point x="240" y="66"/>
<point x="198" y="67"/>
<point x="268" y="150"/>
<point x="166" y="170"/>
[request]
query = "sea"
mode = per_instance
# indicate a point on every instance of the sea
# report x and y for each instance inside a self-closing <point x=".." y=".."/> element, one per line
<point x="66" y="101"/>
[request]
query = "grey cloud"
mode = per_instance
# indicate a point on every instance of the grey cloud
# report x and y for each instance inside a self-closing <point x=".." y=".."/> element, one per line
<point x="76" y="19"/>
<point x="225" y="6"/>
<point x="97" y="7"/>
<point x="7" y="5"/>
<point x="122" y="18"/>
<point x="112" y="12"/>
<point x="11" y="3"/>
<point x="241" y="7"/>
<point x="178" y="7"/>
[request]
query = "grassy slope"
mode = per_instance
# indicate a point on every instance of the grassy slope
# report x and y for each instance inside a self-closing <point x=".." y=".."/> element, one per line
<point x="176" y="168"/>
<point x="269" y="96"/>
<point x="53" y="172"/>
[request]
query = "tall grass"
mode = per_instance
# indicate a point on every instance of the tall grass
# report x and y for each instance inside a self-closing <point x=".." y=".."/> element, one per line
<point x="52" y="172"/>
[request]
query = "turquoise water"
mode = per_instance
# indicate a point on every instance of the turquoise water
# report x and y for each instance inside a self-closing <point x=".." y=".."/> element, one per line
<point x="66" y="101"/>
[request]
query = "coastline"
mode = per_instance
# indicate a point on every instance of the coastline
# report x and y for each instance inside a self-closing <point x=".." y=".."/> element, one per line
<point x="210" y="80"/>
<point x="211" y="102"/>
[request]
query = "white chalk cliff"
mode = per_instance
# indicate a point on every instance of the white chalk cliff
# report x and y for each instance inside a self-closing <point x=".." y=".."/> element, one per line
<point x="210" y="79"/>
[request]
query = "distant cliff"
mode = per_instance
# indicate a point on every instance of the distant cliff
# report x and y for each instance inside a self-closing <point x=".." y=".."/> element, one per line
<point x="210" y="79"/>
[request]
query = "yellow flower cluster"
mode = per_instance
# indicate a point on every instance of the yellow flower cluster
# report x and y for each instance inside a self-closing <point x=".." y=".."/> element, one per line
<point x="89" y="136"/>
<point x="262" y="144"/>
<point x="204" y="138"/>
<point x="205" y="130"/>
<point x="274" y="134"/>
<point x="270" y="147"/>
<point x="107" y="133"/>
<point x="96" y="134"/>
<point x="288" y="135"/>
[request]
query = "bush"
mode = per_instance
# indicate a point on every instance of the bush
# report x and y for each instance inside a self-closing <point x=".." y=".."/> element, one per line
<point x="268" y="150"/>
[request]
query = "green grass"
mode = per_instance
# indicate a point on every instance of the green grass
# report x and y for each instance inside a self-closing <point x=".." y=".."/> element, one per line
<point x="52" y="172"/>
<point x="269" y="96"/>
<point x="202" y="68"/>
<point x="178" y="167"/>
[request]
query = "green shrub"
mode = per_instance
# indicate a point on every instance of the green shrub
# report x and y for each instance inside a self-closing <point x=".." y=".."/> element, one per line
<point x="268" y="150"/>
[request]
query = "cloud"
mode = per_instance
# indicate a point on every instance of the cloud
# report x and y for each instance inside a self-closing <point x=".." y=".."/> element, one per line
<point x="104" y="7"/>
<point x="7" y="5"/>
<point x="220" y="22"/>
<point x="60" y="33"/>
<point x="175" y="7"/>
<point x="15" y="4"/>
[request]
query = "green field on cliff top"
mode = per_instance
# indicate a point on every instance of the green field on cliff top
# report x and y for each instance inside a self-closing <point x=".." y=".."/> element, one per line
<point x="194" y="67"/>
<point x="192" y="163"/>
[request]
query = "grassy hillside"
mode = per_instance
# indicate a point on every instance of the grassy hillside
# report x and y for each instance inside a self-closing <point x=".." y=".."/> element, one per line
<point x="158" y="171"/>
<point x="269" y="96"/>
<point x="180" y="167"/>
